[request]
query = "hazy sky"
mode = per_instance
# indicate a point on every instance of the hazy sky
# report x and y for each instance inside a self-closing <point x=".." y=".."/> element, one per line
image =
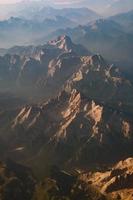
<point x="56" y="1"/>
<point x="8" y="1"/>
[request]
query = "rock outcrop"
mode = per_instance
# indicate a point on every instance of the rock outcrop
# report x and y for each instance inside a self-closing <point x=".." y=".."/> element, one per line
<point x="75" y="130"/>
<point x="117" y="181"/>
<point x="26" y="70"/>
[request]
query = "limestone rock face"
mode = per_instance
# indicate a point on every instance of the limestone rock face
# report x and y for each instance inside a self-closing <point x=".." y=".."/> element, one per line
<point x="83" y="119"/>
<point x="117" y="181"/>
<point x="99" y="81"/>
<point x="27" y="70"/>
<point x="65" y="44"/>
<point x="89" y="107"/>
<point x="94" y="132"/>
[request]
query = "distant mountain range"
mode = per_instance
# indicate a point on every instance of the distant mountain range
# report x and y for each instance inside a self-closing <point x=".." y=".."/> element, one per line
<point x="103" y="36"/>
<point x="111" y="37"/>
<point x="29" y="29"/>
<point x="78" y="15"/>
<point x="125" y="20"/>
<point x="31" y="8"/>
<point x="66" y="108"/>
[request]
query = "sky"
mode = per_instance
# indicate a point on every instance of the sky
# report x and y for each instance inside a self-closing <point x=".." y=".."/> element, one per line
<point x="8" y="1"/>
<point x="92" y="4"/>
<point x="56" y="1"/>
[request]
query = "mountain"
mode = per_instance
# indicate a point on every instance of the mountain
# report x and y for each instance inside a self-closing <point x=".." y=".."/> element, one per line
<point x="30" y="7"/>
<point x="116" y="182"/>
<point x="30" y="27"/>
<point x="105" y="37"/>
<point x="78" y="15"/>
<point x="38" y="11"/>
<point x="25" y="69"/>
<point x="78" y="91"/>
<point x="125" y="20"/>
<point x="42" y="9"/>
<point x="28" y="31"/>
<point x="66" y="108"/>
<point x="18" y="182"/>
<point x="76" y="114"/>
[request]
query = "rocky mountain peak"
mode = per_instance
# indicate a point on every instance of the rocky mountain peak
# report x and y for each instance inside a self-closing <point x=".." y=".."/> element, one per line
<point x="95" y="60"/>
<point x="63" y="42"/>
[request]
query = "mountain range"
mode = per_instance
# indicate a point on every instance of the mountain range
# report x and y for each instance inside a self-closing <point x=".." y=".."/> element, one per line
<point x="111" y="37"/>
<point x="25" y="68"/>
<point x="108" y="37"/>
<point x="28" y="30"/>
<point x="125" y="20"/>
<point x="66" y="100"/>
<point x="105" y="37"/>
<point x="30" y="7"/>
<point x="78" y="112"/>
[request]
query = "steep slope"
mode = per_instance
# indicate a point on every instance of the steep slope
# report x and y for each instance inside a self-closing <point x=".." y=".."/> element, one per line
<point x="70" y="133"/>
<point x="126" y="20"/>
<point x="17" y="71"/>
<point x="62" y="184"/>
<point x="105" y="37"/>
<point x="42" y="9"/>
<point x="18" y="182"/>
<point x="77" y="15"/>
<point x="117" y="181"/>
<point x="39" y="11"/>
<point x="88" y="74"/>
<point x="27" y="32"/>
<point x="62" y="44"/>
<point x="96" y="75"/>
<point x="25" y="69"/>
<point x="90" y="123"/>
<point x="30" y="22"/>
<point x="86" y="124"/>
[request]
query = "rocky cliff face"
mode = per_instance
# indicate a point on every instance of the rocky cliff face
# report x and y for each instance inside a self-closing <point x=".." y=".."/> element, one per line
<point x="117" y="181"/>
<point x="90" y="112"/>
<point x="99" y="81"/>
<point x="60" y="64"/>
<point x="27" y="69"/>
<point x="105" y="36"/>
<point x="85" y="120"/>
<point x="18" y="182"/>
<point x="72" y="130"/>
